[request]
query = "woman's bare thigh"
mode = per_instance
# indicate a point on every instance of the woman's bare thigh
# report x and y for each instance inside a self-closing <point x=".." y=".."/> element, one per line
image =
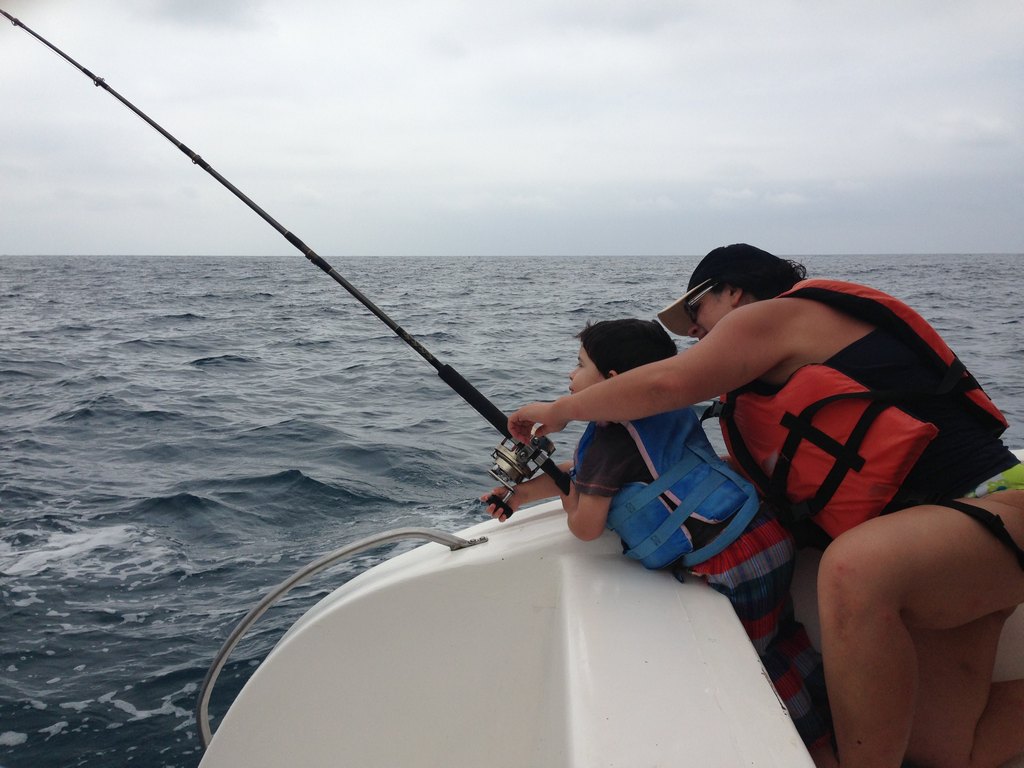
<point x="935" y="565"/>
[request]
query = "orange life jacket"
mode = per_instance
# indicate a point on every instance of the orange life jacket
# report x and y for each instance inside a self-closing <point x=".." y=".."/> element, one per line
<point x="826" y="446"/>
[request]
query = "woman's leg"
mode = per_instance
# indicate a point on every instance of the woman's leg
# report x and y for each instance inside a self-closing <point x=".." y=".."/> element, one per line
<point x="953" y="697"/>
<point x="1002" y="718"/>
<point x="916" y="571"/>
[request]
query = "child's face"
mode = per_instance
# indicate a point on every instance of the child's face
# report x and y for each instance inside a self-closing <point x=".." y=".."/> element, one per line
<point x="584" y="374"/>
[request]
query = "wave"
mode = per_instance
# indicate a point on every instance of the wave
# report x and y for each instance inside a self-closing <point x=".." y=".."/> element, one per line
<point x="41" y="370"/>
<point x="89" y="379"/>
<point x="291" y="432"/>
<point x="181" y="505"/>
<point x="117" y="551"/>
<point x="282" y="495"/>
<point x="73" y="328"/>
<point x="204" y="362"/>
<point x="152" y="343"/>
<point x="187" y="317"/>
<point x="103" y="406"/>
<point x="115" y="408"/>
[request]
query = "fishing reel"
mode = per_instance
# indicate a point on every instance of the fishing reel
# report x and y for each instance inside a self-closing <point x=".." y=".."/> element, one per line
<point x="515" y="462"/>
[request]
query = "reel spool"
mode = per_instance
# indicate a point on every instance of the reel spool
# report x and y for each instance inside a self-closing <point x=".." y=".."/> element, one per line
<point x="515" y="462"/>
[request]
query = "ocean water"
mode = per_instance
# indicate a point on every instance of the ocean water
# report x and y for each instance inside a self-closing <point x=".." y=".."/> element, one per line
<point x="179" y="435"/>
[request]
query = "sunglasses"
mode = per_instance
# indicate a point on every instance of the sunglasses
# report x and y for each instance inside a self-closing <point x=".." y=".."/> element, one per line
<point x="691" y="305"/>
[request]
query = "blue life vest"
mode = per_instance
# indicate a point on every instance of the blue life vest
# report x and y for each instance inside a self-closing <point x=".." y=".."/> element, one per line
<point x="689" y="480"/>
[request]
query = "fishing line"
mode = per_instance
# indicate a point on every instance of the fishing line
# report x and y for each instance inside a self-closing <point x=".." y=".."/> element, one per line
<point x="512" y="459"/>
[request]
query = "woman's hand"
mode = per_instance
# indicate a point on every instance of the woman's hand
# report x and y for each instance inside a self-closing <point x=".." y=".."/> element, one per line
<point x="534" y="420"/>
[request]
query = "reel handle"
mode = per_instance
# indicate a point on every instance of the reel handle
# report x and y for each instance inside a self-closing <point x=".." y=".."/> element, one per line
<point x="501" y="502"/>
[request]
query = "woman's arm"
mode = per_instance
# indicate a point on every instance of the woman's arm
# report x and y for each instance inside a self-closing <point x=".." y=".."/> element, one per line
<point x="746" y="344"/>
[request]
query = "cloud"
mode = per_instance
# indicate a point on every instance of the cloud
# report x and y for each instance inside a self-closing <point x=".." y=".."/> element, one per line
<point x="201" y="14"/>
<point x="399" y="126"/>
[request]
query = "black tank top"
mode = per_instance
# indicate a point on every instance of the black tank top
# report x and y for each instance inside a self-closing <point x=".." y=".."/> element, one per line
<point x="964" y="453"/>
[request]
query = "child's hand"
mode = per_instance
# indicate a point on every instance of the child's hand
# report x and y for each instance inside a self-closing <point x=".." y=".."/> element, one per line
<point x="494" y="510"/>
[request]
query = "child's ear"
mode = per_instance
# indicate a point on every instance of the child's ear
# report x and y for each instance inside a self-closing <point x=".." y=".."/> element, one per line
<point x="612" y="373"/>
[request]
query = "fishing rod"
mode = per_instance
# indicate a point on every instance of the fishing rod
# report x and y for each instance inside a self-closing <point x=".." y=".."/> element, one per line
<point x="513" y="461"/>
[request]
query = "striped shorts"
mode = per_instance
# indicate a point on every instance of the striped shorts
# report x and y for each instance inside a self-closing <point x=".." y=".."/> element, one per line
<point x="755" y="572"/>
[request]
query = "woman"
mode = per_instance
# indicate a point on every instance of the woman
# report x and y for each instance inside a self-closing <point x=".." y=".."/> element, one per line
<point x="844" y="406"/>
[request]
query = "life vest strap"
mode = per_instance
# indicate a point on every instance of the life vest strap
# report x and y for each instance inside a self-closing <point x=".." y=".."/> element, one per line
<point x="801" y="429"/>
<point x="732" y="531"/>
<point x="846" y="455"/>
<point x="678" y="516"/>
<point x="718" y="409"/>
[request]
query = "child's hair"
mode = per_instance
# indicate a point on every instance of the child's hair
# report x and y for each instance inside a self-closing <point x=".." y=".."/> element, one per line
<point x="619" y="345"/>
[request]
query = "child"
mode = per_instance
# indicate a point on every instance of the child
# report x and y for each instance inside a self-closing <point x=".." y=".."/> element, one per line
<point x="658" y="483"/>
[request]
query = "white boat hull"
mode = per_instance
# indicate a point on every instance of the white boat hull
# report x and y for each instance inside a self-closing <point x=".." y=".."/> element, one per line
<point x="530" y="649"/>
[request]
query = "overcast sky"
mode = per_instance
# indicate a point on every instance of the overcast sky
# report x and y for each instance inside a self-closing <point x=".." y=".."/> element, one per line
<point x="525" y="127"/>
